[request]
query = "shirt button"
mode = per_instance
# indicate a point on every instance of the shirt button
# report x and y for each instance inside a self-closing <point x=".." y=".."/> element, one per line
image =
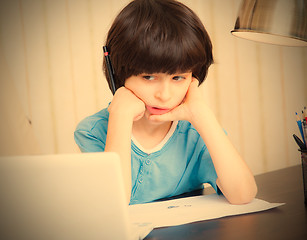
<point x="140" y="180"/>
<point x="148" y="161"/>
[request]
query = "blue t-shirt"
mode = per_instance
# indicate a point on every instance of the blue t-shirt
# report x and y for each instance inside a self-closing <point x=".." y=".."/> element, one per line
<point x="182" y="165"/>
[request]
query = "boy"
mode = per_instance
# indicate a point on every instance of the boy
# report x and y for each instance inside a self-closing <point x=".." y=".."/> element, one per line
<point x="168" y="140"/>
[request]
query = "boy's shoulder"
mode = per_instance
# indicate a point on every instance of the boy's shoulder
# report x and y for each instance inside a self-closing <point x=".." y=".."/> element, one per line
<point x="99" y="119"/>
<point x="186" y="127"/>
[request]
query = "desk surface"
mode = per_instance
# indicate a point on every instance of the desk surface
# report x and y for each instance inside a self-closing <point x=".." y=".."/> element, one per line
<point x="286" y="222"/>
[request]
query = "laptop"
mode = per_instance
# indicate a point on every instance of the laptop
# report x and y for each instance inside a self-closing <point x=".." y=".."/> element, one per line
<point x="65" y="196"/>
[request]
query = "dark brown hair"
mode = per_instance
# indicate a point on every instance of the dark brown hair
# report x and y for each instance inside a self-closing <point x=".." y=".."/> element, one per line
<point x="158" y="36"/>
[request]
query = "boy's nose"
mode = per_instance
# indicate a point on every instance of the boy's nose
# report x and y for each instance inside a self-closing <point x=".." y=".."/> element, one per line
<point x="163" y="92"/>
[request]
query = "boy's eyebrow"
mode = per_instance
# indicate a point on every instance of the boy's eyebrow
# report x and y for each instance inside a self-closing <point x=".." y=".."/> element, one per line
<point x="183" y="73"/>
<point x="186" y="73"/>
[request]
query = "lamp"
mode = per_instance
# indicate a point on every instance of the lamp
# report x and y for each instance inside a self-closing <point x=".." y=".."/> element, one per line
<point x="281" y="22"/>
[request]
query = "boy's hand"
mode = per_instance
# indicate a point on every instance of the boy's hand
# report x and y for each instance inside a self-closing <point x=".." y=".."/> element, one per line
<point x="127" y="105"/>
<point x="189" y="107"/>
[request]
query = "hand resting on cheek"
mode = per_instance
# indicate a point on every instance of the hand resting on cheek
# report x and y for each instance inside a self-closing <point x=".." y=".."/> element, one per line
<point x="188" y="107"/>
<point x="126" y="103"/>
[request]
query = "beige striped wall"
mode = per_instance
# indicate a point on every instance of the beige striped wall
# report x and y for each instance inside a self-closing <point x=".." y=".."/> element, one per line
<point x="50" y="53"/>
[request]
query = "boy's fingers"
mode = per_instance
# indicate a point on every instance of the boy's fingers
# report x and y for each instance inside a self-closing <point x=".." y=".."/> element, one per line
<point x="175" y="114"/>
<point x="161" y="118"/>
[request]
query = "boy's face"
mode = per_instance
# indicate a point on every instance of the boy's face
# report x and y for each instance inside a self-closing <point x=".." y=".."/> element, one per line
<point x="159" y="91"/>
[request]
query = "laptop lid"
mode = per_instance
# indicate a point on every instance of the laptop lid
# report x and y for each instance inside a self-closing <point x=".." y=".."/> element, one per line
<point x="65" y="196"/>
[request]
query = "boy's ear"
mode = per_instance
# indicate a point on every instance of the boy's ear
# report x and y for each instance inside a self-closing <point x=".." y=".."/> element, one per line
<point x="195" y="80"/>
<point x="195" y="77"/>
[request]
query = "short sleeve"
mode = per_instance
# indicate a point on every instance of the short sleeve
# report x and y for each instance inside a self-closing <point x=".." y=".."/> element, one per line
<point x="91" y="133"/>
<point x="87" y="142"/>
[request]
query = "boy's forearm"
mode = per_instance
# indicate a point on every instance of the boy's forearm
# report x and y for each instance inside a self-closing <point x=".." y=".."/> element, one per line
<point x="119" y="141"/>
<point x="234" y="177"/>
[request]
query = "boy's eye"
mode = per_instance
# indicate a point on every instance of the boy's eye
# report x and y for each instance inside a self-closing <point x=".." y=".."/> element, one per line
<point x="178" y="78"/>
<point x="148" y="77"/>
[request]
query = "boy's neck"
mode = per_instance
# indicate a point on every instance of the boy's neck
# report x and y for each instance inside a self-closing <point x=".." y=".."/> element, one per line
<point x="150" y="134"/>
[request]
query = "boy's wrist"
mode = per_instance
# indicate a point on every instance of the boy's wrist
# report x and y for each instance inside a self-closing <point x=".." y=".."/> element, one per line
<point x="122" y="115"/>
<point x="120" y="112"/>
<point x="198" y="112"/>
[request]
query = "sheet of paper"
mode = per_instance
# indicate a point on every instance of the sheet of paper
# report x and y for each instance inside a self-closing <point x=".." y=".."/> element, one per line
<point x="192" y="209"/>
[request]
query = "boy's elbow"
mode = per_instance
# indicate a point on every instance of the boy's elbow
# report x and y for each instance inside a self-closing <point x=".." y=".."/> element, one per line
<point x="244" y="196"/>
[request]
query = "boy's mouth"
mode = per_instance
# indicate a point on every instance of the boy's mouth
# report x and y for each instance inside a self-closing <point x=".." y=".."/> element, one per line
<point x="157" y="110"/>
